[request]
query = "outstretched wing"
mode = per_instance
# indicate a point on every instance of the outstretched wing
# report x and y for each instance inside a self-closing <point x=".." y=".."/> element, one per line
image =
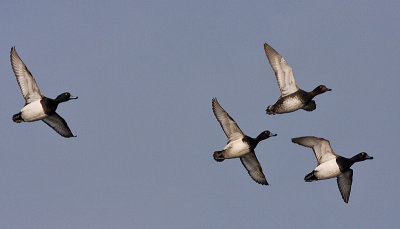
<point x="229" y="125"/>
<point x="26" y="82"/>
<point x="253" y="167"/>
<point x="344" y="182"/>
<point x="58" y="124"/>
<point x="321" y="147"/>
<point x="283" y="72"/>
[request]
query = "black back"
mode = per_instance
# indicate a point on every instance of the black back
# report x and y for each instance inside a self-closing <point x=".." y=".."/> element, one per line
<point x="344" y="163"/>
<point x="252" y="142"/>
<point x="49" y="105"/>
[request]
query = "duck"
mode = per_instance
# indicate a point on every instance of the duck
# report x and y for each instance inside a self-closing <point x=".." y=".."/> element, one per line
<point x="330" y="164"/>
<point x="239" y="145"/>
<point x="292" y="97"/>
<point x="38" y="107"/>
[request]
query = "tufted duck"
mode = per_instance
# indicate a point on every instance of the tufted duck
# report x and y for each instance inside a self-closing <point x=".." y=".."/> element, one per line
<point x="330" y="164"/>
<point x="37" y="106"/>
<point x="292" y="98"/>
<point x="239" y="144"/>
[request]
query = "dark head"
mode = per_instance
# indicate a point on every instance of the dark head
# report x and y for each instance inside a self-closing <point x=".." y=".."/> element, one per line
<point x="320" y="89"/>
<point x="264" y="135"/>
<point x="361" y="157"/>
<point x="65" y="97"/>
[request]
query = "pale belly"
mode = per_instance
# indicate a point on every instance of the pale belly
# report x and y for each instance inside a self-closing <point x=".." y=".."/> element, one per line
<point x="32" y="112"/>
<point x="327" y="170"/>
<point x="235" y="149"/>
<point x="291" y="104"/>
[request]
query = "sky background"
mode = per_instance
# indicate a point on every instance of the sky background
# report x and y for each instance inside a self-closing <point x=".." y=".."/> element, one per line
<point x="145" y="73"/>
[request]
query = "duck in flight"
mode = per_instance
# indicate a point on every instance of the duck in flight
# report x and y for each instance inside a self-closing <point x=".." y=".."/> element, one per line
<point x="239" y="145"/>
<point x="37" y="106"/>
<point x="330" y="164"/>
<point x="292" y="97"/>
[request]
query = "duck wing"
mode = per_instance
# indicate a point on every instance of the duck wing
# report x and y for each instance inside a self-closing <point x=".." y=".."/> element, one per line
<point x="26" y="82"/>
<point x="344" y="182"/>
<point x="283" y="72"/>
<point x="230" y="127"/>
<point x="58" y="124"/>
<point x="321" y="147"/>
<point x="253" y="167"/>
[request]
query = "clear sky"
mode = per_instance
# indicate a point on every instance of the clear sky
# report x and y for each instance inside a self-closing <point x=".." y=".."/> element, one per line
<point x="145" y="73"/>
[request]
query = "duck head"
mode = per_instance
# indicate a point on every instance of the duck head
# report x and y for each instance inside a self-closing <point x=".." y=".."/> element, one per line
<point x="320" y="89"/>
<point x="362" y="157"/>
<point x="264" y="135"/>
<point x="63" y="97"/>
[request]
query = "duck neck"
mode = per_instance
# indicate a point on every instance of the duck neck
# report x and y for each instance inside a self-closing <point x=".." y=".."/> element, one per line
<point x="314" y="92"/>
<point x="59" y="100"/>
<point x="252" y="142"/>
<point x="345" y="163"/>
<point x="354" y="159"/>
<point x="259" y="138"/>
<point x="50" y="105"/>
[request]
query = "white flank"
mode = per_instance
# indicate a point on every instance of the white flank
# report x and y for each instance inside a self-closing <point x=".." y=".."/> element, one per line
<point x="33" y="111"/>
<point x="327" y="170"/>
<point x="235" y="149"/>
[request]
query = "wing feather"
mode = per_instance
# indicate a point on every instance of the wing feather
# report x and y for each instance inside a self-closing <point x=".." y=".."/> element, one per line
<point x="283" y="72"/>
<point x="26" y="82"/>
<point x="58" y="124"/>
<point x="321" y="147"/>
<point x="253" y="167"/>
<point x="344" y="182"/>
<point x="230" y="127"/>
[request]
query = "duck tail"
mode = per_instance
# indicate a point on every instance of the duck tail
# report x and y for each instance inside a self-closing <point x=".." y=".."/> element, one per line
<point x="310" y="177"/>
<point x="218" y="156"/>
<point x="270" y="110"/>
<point x="17" y="118"/>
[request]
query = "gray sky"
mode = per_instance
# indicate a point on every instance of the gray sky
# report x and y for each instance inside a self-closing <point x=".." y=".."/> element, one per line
<point x="145" y="73"/>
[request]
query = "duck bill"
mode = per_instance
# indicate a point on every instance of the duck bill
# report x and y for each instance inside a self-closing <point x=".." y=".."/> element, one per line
<point x="73" y="97"/>
<point x="272" y="134"/>
<point x="328" y="89"/>
<point x="369" y="158"/>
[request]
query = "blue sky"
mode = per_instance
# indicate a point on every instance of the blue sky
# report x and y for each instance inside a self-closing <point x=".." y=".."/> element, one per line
<point x="145" y="73"/>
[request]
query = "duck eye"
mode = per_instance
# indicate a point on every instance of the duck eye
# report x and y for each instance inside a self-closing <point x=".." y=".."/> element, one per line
<point x="363" y="153"/>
